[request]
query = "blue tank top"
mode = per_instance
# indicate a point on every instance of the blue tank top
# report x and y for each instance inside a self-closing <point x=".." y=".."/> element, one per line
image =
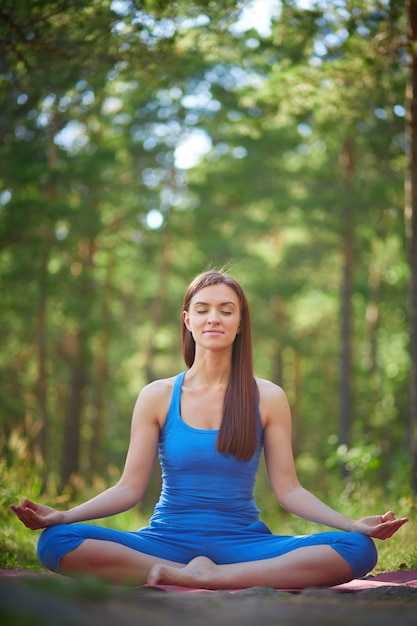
<point x="202" y="489"/>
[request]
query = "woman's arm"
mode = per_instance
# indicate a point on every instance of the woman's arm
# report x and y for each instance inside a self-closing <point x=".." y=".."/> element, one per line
<point x="148" y="417"/>
<point x="282" y="474"/>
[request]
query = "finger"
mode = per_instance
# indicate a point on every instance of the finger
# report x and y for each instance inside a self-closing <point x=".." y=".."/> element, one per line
<point x="29" y="504"/>
<point x="402" y="521"/>
<point x="27" y="516"/>
<point x="389" y="528"/>
<point x="388" y="516"/>
<point x="26" y="519"/>
<point x="17" y="510"/>
<point x="394" y="523"/>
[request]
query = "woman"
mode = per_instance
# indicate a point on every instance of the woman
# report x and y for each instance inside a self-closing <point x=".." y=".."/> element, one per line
<point x="209" y="423"/>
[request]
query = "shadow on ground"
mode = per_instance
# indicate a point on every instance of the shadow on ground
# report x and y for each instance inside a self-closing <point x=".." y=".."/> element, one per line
<point x="44" y="600"/>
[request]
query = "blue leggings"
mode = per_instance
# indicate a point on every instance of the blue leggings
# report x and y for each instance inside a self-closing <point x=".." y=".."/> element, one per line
<point x="251" y="543"/>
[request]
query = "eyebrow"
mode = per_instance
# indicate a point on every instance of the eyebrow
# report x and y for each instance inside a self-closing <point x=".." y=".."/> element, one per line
<point x="221" y="304"/>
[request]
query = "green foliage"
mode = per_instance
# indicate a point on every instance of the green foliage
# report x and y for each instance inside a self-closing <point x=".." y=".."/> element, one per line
<point x="355" y="497"/>
<point x="18" y="544"/>
<point x="102" y="227"/>
<point x="359" y="461"/>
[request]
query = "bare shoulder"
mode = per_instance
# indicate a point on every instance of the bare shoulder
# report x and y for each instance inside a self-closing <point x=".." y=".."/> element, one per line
<point x="158" y="388"/>
<point x="269" y="390"/>
<point x="273" y="402"/>
<point x="154" y="399"/>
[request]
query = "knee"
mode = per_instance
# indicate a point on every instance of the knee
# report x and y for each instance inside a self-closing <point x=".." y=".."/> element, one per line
<point x="53" y="543"/>
<point x="45" y="549"/>
<point x="364" y="555"/>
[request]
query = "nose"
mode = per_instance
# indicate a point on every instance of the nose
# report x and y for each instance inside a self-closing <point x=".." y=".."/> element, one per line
<point x="213" y="317"/>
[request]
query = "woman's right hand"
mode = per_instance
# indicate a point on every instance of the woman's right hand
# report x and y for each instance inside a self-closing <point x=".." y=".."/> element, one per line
<point x="36" y="516"/>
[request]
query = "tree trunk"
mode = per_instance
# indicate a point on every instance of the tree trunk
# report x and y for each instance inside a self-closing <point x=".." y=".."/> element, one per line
<point x="372" y="322"/>
<point x="79" y="356"/>
<point x="71" y="445"/>
<point x="345" y="414"/>
<point x="372" y="319"/>
<point x="41" y="318"/>
<point x="101" y="381"/>
<point x="157" y="304"/>
<point x="411" y="228"/>
<point x="345" y="417"/>
<point x="41" y="386"/>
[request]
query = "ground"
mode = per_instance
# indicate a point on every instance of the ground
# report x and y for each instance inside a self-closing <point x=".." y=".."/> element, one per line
<point x="43" y="600"/>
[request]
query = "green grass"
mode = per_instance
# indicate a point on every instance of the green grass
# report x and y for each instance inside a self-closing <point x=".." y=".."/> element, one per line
<point x="398" y="552"/>
<point x="18" y="544"/>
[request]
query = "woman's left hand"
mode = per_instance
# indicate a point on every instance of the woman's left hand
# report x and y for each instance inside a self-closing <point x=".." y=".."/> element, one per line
<point x="379" y="526"/>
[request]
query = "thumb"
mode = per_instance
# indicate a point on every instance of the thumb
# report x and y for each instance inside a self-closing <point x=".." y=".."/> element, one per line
<point x="29" y="504"/>
<point x="388" y="517"/>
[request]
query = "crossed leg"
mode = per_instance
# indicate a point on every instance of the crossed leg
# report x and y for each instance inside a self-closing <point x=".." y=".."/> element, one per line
<point x="311" y="566"/>
<point x="112" y="562"/>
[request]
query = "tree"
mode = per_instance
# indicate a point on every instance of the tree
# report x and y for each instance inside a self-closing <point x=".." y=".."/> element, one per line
<point x="320" y="136"/>
<point x="102" y="225"/>
<point x="411" y="224"/>
<point x="74" y="189"/>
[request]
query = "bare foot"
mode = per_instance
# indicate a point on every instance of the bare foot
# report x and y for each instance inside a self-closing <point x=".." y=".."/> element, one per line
<point x="198" y="573"/>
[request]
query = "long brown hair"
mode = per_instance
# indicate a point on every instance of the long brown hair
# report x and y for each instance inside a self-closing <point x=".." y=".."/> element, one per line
<point x="238" y="434"/>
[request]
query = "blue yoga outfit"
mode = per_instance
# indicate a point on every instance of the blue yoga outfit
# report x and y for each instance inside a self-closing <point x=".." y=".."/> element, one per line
<point x="206" y="507"/>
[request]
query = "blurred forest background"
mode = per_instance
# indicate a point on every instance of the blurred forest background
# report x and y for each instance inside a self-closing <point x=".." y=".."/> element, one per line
<point x="143" y="141"/>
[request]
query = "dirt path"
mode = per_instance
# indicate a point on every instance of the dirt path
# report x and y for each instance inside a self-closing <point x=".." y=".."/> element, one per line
<point x="42" y="600"/>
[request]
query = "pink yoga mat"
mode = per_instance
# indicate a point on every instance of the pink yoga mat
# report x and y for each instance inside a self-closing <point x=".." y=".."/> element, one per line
<point x="401" y="578"/>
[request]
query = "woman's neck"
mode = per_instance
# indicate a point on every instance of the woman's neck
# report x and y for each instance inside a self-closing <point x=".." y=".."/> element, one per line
<point x="210" y="370"/>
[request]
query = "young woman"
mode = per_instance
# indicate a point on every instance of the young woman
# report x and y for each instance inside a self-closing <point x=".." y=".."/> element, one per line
<point x="209" y="424"/>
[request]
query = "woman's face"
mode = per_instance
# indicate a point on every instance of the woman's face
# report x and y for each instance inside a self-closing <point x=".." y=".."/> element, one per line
<point x="213" y="317"/>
